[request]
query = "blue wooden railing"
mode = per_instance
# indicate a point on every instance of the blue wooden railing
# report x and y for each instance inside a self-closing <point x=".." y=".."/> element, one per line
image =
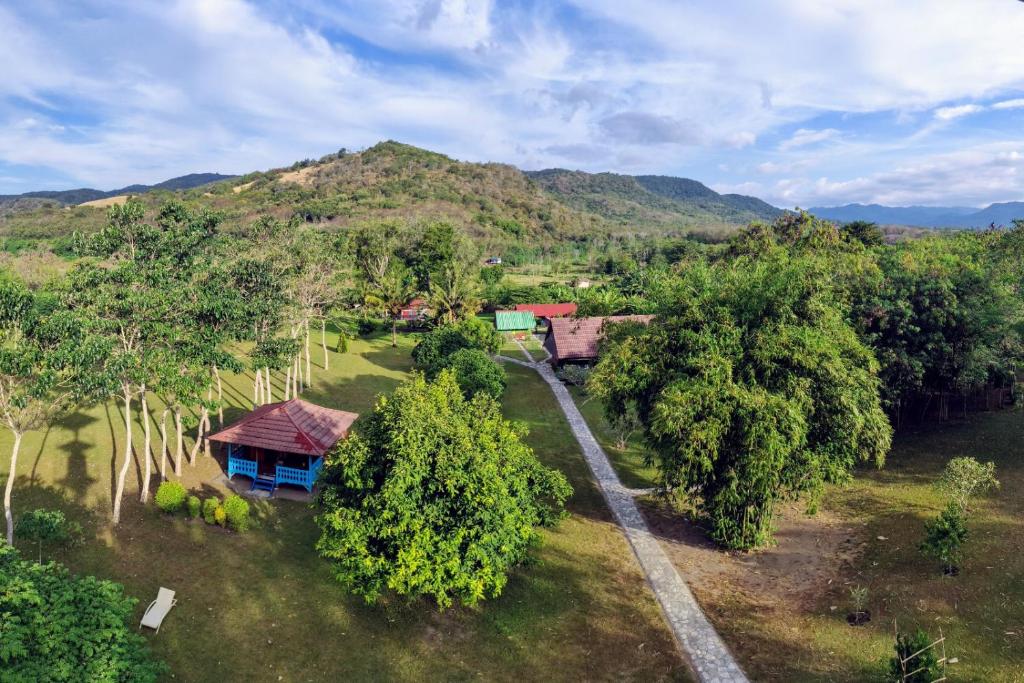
<point x="241" y="466"/>
<point x="282" y="475"/>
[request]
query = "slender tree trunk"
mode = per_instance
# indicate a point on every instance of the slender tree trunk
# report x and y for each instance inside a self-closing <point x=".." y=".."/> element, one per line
<point x="147" y="450"/>
<point x="220" y="397"/>
<point x="8" y="514"/>
<point x="288" y="382"/>
<point x="323" y="342"/>
<point x="119" y="493"/>
<point x="394" y="333"/>
<point x="204" y="422"/>
<point x="256" y="382"/>
<point x="309" y="366"/>
<point x="269" y="387"/>
<point x="297" y="375"/>
<point x="180" y="449"/>
<point x="163" y="444"/>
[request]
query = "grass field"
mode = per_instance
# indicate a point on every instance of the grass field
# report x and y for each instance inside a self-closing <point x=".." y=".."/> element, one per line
<point x="783" y="610"/>
<point x="263" y="606"/>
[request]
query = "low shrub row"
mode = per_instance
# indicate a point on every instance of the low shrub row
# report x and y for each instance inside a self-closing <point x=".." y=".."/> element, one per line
<point x="233" y="512"/>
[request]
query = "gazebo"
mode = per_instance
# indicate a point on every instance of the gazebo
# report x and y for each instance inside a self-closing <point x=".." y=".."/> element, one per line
<point x="283" y="443"/>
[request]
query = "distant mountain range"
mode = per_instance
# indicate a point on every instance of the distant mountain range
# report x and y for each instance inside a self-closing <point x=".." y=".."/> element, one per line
<point x="924" y="216"/>
<point x="85" y="194"/>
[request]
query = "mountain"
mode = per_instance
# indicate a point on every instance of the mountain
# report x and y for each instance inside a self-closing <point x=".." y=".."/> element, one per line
<point x="648" y="200"/>
<point x="85" y="194"/>
<point x="924" y="216"/>
<point x="497" y="204"/>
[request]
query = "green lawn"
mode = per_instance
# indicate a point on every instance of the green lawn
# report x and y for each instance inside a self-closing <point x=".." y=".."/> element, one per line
<point x="628" y="461"/>
<point x="263" y="606"/>
<point x="880" y="518"/>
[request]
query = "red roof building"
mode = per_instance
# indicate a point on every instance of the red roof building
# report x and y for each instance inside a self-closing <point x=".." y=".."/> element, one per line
<point x="549" y="311"/>
<point x="577" y="339"/>
<point x="283" y="443"/>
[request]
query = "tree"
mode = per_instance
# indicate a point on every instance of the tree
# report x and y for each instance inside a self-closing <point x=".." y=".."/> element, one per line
<point x="864" y="232"/>
<point x="434" y="496"/>
<point x="59" y="627"/>
<point x="454" y="294"/>
<point x="389" y="294"/>
<point x="475" y="371"/>
<point x="945" y="536"/>
<point x="915" y="661"/>
<point x="751" y="387"/>
<point x="966" y="478"/>
<point x="434" y="347"/>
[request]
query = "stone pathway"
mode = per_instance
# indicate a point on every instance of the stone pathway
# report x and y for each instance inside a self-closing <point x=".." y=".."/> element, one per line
<point x="696" y="636"/>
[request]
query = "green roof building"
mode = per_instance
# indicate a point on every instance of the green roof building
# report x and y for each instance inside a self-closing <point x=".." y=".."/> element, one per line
<point x="514" y="321"/>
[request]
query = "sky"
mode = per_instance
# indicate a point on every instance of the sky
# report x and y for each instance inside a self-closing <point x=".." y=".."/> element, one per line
<point x="800" y="102"/>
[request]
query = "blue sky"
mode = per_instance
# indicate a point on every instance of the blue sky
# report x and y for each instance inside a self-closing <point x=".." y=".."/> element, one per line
<point x="800" y="102"/>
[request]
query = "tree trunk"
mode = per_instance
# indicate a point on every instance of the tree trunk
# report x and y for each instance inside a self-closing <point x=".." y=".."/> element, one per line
<point x="269" y="387"/>
<point x="323" y="342"/>
<point x="287" y="382"/>
<point x="256" y="381"/>
<point x="127" y="454"/>
<point x="220" y="397"/>
<point x="204" y="421"/>
<point x="147" y="450"/>
<point x="180" y="450"/>
<point x="309" y="366"/>
<point x="163" y="444"/>
<point x="394" y="333"/>
<point x="299" y="384"/>
<point x="8" y="515"/>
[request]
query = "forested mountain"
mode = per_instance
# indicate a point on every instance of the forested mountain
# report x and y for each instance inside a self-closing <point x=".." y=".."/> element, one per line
<point x="496" y="203"/>
<point x="85" y="194"/>
<point x="925" y="216"/>
<point x="663" y="201"/>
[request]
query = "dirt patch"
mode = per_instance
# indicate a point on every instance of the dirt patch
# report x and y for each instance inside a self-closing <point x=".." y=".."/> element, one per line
<point x="106" y="201"/>
<point x="244" y="186"/>
<point x="303" y="176"/>
<point x="809" y="555"/>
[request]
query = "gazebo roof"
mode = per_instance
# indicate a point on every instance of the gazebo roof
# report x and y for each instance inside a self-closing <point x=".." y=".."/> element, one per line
<point x="293" y="426"/>
<point x="578" y="338"/>
<point x="548" y="310"/>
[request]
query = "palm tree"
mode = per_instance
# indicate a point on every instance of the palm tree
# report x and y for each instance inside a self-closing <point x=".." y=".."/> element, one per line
<point x="454" y="294"/>
<point x="389" y="294"/>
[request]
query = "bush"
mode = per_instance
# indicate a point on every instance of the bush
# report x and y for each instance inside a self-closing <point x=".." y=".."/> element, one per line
<point x="342" y="346"/>
<point x="194" y="505"/>
<point x="475" y="371"/>
<point x="210" y="507"/>
<point x="170" y="497"/>
<point x="45" y="638"/>
<point x="366" y="326"/>
<point x="576" y="375"/>
<point x="219" y="516"/>
<point x="442" y="481"/>
<point x="47" y="526"/>
<point x="924" y="667"/>
<point x="945" y="536"/>
<point x="236" y="511"/>
<point x="434" y="347"/>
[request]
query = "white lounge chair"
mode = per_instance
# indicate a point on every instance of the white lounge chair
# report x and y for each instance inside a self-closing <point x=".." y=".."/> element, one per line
<point x="158" y="609"/>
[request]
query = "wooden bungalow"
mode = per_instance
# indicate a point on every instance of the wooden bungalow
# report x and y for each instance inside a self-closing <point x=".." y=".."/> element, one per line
<point x="575" y="340"/>
<point x="416" y="310"/>
<point x="283" y="443"/>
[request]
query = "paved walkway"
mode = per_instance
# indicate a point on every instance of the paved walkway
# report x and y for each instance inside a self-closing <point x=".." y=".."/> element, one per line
<point x="698" y="639"/>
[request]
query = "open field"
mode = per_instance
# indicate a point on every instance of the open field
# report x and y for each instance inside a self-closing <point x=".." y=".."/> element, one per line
<point x="263" y="606"/>
<point x="106" y="201"/>
<point x="783" y="610"/>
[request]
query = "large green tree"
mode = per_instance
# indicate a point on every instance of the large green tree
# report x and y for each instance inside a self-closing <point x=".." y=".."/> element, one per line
<point x="434" y="495"/>
<point x="751" y="387"/>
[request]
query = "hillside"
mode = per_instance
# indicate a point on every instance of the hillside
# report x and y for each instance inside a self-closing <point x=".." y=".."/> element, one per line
<point x="86" y="194"/>
<point x="662" y="202"/>
<point x="925" y="216"/>
<point x="496" y="203"/>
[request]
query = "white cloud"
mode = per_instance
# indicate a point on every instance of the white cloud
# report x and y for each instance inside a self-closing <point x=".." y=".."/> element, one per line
<point x="806" y="136"/>
<point x="1009" y="104"/>
<point x="950" y="113"/>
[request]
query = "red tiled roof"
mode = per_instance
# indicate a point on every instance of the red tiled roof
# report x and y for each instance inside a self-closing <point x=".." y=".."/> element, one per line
<point x="577" y="338"/>
<point x="548" y="310"/>
<point x="293" y="426"/>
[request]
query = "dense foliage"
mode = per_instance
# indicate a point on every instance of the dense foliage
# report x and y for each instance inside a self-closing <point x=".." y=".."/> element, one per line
<point x="59" y="627"/>
<point x="433" y="348"/>
<point x="914" y="661"/>
<point x="475" y="371"/>
<point x="435" y="495"/>
<point x="751" y="386"/>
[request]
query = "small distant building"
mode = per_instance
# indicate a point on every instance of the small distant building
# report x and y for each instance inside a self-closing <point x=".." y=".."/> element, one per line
<point x="414" y="311"/>
<point x="283" y="443"/>
<point x="493" y="261"/>
<point x="514" y="321"/>
<point x="545" y="312"/>
<point x="575" y="340"/>
<point x="581" y="283"/>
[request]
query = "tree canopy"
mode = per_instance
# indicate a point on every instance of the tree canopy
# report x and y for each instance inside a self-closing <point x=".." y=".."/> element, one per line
<point x="434" y="495"/>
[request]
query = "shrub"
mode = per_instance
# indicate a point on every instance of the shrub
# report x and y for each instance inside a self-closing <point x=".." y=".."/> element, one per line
<point x="47" y="526"/>
<point x="236" y="511"/>
<point x="342" y="346"/>
<point x="210" y="506"/>
<point x="576" y="375"/>
<point x="60" y="627"/>
<point x="435" y="346"/>
<point x="924" y="666"/>
<point x="945" y="536"/>
<point x="966" y="478"/>
<point x="366" y="326"/>
<point x="444" y="481"/>
<point x="475" y="371"/>
<point x="170" y="497"/>
<point x="194" y="505"/>
<point x="219" y="516"/>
